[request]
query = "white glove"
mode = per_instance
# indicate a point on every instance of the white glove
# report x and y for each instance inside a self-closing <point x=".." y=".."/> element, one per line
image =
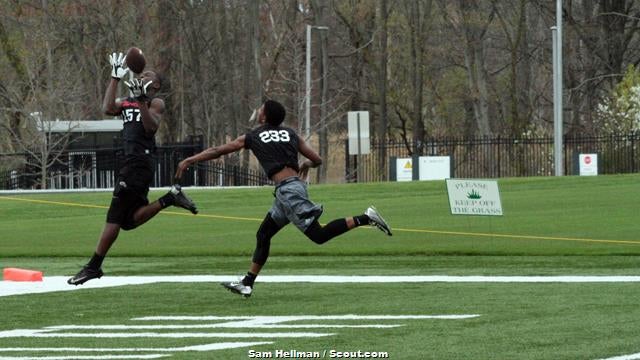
<point x="118" y="67"/>
<point x="138" y="88"/>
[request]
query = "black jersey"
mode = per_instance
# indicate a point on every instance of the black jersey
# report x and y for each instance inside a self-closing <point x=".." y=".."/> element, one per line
<point x="276" y="147"/>
<point x="135" y="139"/>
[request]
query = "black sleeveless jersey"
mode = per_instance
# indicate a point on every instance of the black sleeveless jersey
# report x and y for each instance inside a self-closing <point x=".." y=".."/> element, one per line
<point x="135" y="139"/>
<point x="276" y="147"/>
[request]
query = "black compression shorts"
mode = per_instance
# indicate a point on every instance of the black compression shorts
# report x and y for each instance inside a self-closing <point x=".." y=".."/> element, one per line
<point x="130" y="192"/>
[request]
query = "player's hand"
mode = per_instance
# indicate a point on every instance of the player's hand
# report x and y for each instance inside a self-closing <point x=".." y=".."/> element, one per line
<point x="303" y="173"/>
<point x="118" y="67"/>
<point x="138" y="88"/>
<point x="253" y="116"/>
<point x="182" y="167"/>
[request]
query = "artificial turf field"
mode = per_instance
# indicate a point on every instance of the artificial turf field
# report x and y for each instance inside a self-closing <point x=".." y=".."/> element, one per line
<point x="570" y="226"/>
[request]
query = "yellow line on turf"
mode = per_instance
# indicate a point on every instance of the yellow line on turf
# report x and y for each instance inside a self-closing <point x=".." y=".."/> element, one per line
<point x="532" y="237"/>
<point x="510" y="236"/>
<point x="53" y="202"/>
<point x="106" y="207"/>
<point x="213" y="216"/>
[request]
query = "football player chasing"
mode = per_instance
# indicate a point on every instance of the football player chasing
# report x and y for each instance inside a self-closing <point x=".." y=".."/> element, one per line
<point x="277" y="147"/>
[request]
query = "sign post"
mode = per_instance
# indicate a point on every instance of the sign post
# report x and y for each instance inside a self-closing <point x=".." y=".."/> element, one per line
<point x="359" y="143"/>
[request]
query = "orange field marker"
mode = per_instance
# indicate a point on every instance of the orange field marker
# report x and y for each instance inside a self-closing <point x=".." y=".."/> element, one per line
<point x="15" y="274"/>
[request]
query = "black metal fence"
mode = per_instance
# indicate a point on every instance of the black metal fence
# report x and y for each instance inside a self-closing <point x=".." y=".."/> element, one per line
<point x="221" y="174"/>
<point x="97" y="168"/>
<point x="497" y="157"/>
<point x="470" y="158"/>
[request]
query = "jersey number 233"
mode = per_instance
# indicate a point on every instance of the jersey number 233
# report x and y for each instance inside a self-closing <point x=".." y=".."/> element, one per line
<point x="274" y="135"/>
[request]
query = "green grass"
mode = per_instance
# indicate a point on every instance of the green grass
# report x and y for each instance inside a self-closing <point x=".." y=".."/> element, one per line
<point x="569" y="216"/>
<point x="551" y="226"/>
<point x="518" y="321"/>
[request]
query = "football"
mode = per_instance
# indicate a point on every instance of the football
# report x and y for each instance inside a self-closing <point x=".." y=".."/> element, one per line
<point x="135" y="60"/>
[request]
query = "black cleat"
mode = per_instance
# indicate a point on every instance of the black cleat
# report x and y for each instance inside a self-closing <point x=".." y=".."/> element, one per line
<point x="85" y="275"/>
<point x="182" y="200"/>
<point x="237" y="287"/>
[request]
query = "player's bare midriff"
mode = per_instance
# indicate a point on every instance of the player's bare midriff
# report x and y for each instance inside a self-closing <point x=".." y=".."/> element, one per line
<point x="286" y="172"/>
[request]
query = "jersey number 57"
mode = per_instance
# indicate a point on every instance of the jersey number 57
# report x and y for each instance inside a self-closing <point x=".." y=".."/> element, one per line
<point x="129" y="115"/>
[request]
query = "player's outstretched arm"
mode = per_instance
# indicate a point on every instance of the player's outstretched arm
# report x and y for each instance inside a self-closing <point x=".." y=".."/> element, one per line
<point x="110" y="105"/>
<point x="211" y="153"/>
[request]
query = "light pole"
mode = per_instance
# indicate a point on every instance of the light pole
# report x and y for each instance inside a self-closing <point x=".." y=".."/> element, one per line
<point x="307" y="124"/>
<point x="557" y="92"/>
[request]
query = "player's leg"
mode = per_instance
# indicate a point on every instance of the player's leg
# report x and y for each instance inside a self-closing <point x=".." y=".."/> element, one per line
<point x="108" y="236"/>
<point x="304" y="214"/>
<point x="268" y="228"/>
<point x="321" y="234"/>
<point x="116" y="217"/>
<point x="177" y="197"/>
<point x="124" y="203"/>
<point x="144" y="213"/>
<point x="137" y="177"/>
<point x="93" y="269"/>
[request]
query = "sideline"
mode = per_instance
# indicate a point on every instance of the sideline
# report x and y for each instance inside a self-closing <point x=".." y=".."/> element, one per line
<point x="59" y="283"/>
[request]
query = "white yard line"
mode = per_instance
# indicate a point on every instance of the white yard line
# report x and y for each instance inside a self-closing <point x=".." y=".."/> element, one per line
<point x="635" y="356"/>
<point x="270" y="320"/>
<point x="89" y="357"/>
<point x="205" y="347"/>
<point x="231" y="322"/>
<point x="59" y="283"/>
<point x="39" y="333"/>
<point x="218" y="326"/>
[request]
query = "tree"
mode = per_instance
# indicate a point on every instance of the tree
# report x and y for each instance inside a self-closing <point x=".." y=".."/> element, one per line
<point x="418" y="12"/>
<point x="515" y="34"/>
<point x="43" y="86"/>
<point x="42" y="145"/>
<point x="383" y="19"/>
<point x="619" y="113"/>
<point x="470" y="24"/>
<point x="359" y="19"/>
<point x="12" y="99"/>
<point x="601" y="39"/>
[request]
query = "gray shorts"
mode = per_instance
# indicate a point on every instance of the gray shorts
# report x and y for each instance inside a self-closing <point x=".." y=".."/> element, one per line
<point x="292" y="205"/>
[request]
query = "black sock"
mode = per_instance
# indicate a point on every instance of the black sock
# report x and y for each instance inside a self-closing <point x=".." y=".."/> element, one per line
<point x="167" y="200"/>
<point x="361" y="220"/>
<point x="96" y="261"/>
<point x="249" y="279"/>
